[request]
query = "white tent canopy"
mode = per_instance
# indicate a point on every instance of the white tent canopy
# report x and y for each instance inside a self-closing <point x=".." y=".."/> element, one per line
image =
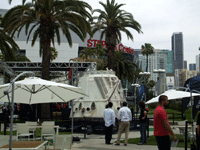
<point x="172" y="94"/>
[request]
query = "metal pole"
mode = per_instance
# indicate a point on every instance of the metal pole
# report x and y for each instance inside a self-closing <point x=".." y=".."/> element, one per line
<point x="145" y="98"/>
<point x="135" y="98"/>
<point x="12" y="101"/>
<point x="72" y="118"/>
<point x="186" y="135"/>
<point x="192" y="103"/>
<point x="11" y="119"/>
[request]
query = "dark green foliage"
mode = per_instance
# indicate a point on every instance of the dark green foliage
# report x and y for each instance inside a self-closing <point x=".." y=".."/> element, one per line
<point x="152" y="105"/>
<point x="176" y="105"/>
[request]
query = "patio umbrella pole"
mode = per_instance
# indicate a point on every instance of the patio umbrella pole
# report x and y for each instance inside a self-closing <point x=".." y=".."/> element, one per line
<point x="72" y="118"/>
<point x="12" y="102"/>
<point x="192" y="103"/>
<point x="11" y="118"/>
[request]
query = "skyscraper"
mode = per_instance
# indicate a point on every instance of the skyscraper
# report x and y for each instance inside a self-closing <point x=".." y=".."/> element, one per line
<point x="198" y="63"/>
<point x="185" y="64"/>
<point x="177" y="48"/>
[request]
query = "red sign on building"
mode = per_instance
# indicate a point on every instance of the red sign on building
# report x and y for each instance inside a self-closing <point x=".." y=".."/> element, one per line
<point x="120" y="47"/>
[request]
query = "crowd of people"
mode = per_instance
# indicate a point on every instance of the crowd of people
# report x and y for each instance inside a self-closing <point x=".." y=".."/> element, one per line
<point x="162" y="129"/>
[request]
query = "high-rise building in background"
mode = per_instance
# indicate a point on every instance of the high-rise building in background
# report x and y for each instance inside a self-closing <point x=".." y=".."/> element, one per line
<point x="185" y="64"/>
<point x="170" y="67"/>
<point x="177" y="49"/>
<point x="198" y="63"/>
<point x="181" y="75"/>
<point x="158" y="60"/>
<point x="192" y="66"/>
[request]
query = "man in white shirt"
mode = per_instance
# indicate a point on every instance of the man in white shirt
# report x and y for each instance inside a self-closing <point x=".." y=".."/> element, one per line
<point x="109" y="118"/>
<point x="124" y="118"/>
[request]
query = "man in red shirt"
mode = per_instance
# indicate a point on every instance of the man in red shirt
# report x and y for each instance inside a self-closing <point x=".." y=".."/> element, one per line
<point x="162" y="128"/>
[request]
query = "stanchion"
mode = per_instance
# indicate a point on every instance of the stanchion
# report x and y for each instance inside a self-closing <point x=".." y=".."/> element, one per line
<point x="186" y="135"/>
<point x="85" y="130"/>
<point x="147" y="127"/>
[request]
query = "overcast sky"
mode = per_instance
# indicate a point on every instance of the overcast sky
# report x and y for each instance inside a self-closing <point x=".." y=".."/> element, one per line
<point x="159" y="19"/>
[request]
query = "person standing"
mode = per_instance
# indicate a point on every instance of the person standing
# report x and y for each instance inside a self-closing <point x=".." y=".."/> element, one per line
<point x="198" y="131"/>
<point x="143" y="123"/>
<point x="109" y="118"/>
<point x="124" y="117"/>
<point x="162" y="128"/>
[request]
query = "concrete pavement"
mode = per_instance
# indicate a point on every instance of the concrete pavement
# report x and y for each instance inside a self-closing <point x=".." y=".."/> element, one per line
<point x="97" y="142"/>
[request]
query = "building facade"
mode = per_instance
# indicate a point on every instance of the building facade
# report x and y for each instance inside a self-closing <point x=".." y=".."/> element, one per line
<point x="198" y="63"/>
<point x="182" y="75"/>
<point x="192" y="66"/>
<point x="160" y="59"/>
<point x="177" y="49"/>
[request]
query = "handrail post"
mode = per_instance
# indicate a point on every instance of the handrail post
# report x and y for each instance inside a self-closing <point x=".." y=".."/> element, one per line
<point x="147" y="127"/>
<point x="186" y="135"/>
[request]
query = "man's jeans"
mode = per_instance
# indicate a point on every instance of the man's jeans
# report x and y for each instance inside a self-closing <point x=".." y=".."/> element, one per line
<point x="143" y="128"/>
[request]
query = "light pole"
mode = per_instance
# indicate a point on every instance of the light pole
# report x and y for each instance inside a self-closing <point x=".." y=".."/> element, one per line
<point x="161" y="88"/>
<point x="135" y="96"/>
<point x="145" y="74"/>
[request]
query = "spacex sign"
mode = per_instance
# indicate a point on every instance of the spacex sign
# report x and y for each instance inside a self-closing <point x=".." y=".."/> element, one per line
<point x="120" y="47"/>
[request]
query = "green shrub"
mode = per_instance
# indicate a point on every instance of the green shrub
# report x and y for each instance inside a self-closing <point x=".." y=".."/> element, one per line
<point x="175" y="105"/>
<point x="152" y="105"/>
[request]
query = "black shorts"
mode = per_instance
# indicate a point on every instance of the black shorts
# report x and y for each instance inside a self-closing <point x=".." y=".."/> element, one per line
<point x="163" y="142"/>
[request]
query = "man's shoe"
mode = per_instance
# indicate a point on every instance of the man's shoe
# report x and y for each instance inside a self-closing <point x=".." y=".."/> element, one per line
<point x="117" y="144"/>
<point x="125" y="144"/>
<point x="109" y="143"/>
<point x="140" y="143"/>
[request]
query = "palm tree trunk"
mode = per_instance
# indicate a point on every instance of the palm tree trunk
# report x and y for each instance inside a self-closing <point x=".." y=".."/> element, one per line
<point x="45" y="108"/>
<point x="111" y="42"/>
<point x="111" y="58"/>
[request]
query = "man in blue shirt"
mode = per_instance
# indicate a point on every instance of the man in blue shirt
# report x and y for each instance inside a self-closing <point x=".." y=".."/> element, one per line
<point x="109" y="118"/>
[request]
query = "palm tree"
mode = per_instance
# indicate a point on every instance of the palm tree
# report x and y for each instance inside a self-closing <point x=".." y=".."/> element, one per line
<point x="45" y="19"/>
<point x="8" y="46"/>
<point x="91" y="55"/>
<point x="124" y="68"/>
<point x="147" y="50"/>
<point x="88" y="54"/>
<point x="53" y="53"/>
<point x="111" y="22"/>
<point x="151" y="84"/>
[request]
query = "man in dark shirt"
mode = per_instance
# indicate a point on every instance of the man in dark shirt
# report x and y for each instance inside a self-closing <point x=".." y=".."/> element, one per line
<point x="143" y="123"/>
<point x="198" y="131"/>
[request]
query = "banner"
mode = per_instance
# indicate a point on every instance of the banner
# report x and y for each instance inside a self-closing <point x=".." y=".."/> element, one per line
<point x="141" y="95"/>
<point x="185" y="102"/>
<point x="196" y="106"/>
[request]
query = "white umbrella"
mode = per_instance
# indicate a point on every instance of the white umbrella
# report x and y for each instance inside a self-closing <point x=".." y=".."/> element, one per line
<point x="34" y="90"/>
<point x="172" y="94"/>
